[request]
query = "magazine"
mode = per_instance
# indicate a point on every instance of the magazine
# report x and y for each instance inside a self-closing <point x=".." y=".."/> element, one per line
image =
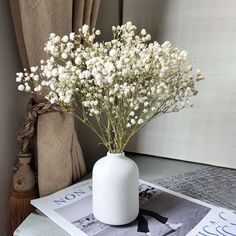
<point x="162" y="212"/>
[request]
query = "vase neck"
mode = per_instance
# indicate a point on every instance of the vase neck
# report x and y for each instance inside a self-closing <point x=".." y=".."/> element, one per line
<point x="24" y="161"/>
<point x="116" y="155"/>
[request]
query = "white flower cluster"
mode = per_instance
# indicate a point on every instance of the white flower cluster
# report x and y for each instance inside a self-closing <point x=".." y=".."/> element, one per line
<point x="122" y="83"/>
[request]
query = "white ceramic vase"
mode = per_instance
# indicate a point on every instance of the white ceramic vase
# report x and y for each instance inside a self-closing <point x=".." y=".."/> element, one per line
<point x="115" y="189"/>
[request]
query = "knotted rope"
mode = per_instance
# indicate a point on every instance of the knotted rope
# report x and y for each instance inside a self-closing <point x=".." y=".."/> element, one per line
<point x="33" y="110"/>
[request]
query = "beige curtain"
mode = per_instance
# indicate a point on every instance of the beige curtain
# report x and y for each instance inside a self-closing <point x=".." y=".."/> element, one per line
<point x="60" y="159"/>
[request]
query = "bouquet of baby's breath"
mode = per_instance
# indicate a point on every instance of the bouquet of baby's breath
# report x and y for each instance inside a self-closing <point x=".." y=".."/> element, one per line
<point x="113" y="87"/>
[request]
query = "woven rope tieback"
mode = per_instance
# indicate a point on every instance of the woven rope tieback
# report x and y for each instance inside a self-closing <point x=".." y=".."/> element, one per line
<point x="33" y="110"/>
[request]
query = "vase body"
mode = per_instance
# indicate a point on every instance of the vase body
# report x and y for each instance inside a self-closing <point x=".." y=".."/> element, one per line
<point x="115" y="189"/>
<point x="24" y="178"/>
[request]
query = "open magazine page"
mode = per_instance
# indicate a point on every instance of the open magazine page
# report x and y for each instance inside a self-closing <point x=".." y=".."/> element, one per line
<point x="162" y="212"/>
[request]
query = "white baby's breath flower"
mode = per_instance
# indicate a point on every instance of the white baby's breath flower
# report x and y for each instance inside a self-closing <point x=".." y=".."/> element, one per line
<point x="65" y="39"/>
<point x="54" y="72"/>
<point x="52" y="100"/>
<point x="109" y="67"/>
<point x="161" y="75"/>
<point x="48" y="73"/>
<point x="72" y="36"/>
<point x="123" y="82"/>
<point x="34" y="69"/>
<point x="112" y="52"/>
<point x="85" y="28"/>
<point x="21" y="87"/>
<point x="38" y="88"/>
<point x="27" y="88"/>
<point x="52" y="35"/>
<point x="128" y="125"/>
<point x="124" y="72"/>
<point x="148" y="37"/>
<point x="131" y="113"/>
<point x="133" y="121"/>
<point x="78" y="60"/>
<point x="36" y="78"/>
<point x="67" y="99"/>
<point x="97" y="32"/>
<point x="87" y="74"/>
<point x="198" y="72"/>
<point x="64" y="55"/>
<point x="20" y="74"/>
<point x="91" y="38"/>
<point x="44" y="83"/>
<point x="57" y="39"/>
<point x="109" y="79"/>
<point x="143" y="32"/>
<point x="140" y="121"/>
<point x="111" y="99"/>
<point x="52" y="87"/>
<point x="86" y="103"/>
<point x="96" y="112"/>
<point x="18" y="79"/>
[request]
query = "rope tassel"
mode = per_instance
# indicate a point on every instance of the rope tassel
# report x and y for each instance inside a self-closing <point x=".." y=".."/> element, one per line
<point x="20" y="208"/>
<point x="33" y="110"/>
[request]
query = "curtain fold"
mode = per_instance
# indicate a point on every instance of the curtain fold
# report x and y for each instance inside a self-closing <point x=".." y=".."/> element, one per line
<point x="85" y="12"/>
<point x="60" y="159"/>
